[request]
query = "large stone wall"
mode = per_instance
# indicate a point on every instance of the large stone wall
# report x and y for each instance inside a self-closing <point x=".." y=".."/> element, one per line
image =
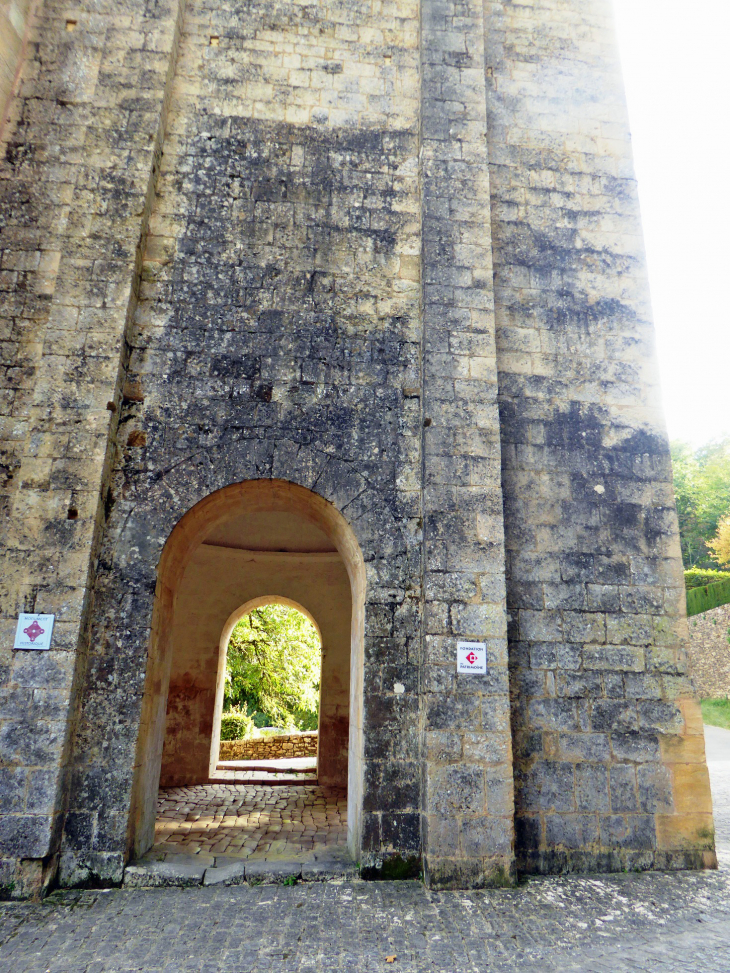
<point x="80" y="155"/>
<point x="389" y="252"/>
<point x="277" y="335"/>
<point x="468" y="803"/>
<point x="709" y="653"/>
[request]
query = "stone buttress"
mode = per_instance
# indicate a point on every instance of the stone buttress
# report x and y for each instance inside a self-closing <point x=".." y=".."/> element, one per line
<point x="609" y="750"/>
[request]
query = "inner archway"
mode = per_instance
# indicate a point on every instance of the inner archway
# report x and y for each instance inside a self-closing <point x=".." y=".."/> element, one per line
<point x="276" y="683"/>
<point x="259" y="541"/>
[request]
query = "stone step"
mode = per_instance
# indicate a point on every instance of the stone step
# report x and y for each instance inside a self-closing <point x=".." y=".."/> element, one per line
<point x="263" y="779"/>
<point x="189" y="870"/>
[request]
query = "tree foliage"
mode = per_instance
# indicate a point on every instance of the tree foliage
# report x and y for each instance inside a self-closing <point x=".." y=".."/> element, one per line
<point x="719" y="545"/>
<point x="273" y="668"/>
<point x="702" y="491"/>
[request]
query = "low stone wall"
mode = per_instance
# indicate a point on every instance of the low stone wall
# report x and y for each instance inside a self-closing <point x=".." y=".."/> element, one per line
<point x="709" y="652"/>
<point x="270" y="747"/>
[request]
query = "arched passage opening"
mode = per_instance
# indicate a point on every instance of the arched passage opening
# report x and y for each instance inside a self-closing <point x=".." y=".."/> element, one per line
<point x="261" y="539"/>
<point x="302" y="675"/>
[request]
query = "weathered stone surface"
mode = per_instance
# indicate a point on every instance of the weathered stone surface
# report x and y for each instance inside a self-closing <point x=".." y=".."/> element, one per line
<point x="272" y="871"/>
<point x="97" y="867"/>
<point x="148" y="874"/>
<point x="389" y="256"/>
<point x="228" y="873"/>
<point x="329" y="864"/>
<point x="594" y="582"/>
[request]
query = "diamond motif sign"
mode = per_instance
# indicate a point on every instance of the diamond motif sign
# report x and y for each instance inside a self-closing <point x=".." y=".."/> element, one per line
<point x="471" y="657"/>
<point x="34" y="632"/>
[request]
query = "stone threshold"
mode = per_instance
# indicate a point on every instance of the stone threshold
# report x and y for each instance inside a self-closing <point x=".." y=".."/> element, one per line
<point x="183" y="871"/>
<point x="266" y="781"/>
<point x="301" y="770"/>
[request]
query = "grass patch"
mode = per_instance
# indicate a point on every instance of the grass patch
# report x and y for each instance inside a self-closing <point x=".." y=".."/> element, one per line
<point x="716" y="712"/>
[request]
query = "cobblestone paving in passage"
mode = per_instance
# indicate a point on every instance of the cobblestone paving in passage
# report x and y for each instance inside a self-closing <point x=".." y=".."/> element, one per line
<point x="645" y="923"/>
<point x="249" y="821"/>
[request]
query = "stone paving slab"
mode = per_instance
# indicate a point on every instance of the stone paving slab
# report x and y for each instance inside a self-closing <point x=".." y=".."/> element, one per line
<point x="328" y="864"/>
<point x="643" y="923"/>
<point x="324" y="863"/>
<point x="148" y="874"/>
<point x="254" y="775"/>
<point x="251" y="821"/>
<point x="226" y="873"/>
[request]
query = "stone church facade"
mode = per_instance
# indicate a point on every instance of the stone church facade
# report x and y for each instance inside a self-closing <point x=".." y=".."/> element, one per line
<point x="360" y="285"/>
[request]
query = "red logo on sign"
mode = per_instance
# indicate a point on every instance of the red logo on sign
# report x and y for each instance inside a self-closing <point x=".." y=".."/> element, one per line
<point x="34" y="630"/>
<point x="471" y="658"/>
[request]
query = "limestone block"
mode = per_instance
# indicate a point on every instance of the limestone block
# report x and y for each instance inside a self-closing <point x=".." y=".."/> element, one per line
<point x="228" y="873"/>
<point x="150" y="874"/>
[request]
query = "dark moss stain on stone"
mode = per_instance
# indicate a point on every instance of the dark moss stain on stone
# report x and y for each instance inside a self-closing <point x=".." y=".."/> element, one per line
<point x="394" y="869"/>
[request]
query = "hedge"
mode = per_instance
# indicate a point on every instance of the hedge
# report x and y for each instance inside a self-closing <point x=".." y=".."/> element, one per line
<point x="708" y="597"/>
<point x="236" y="726"/>
<point x="696" y="578"/>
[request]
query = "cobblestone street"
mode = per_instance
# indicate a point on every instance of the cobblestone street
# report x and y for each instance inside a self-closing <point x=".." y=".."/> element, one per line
<point x="644" y="923"/>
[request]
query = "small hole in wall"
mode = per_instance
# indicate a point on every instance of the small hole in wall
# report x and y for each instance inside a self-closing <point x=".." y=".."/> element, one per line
<point x="72" y="513"/>
<point x="214" y="39"/>
<point x="71" y="25"/>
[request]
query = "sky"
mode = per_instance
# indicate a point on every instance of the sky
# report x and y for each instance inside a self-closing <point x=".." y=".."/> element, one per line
<point x="676" y="63"/>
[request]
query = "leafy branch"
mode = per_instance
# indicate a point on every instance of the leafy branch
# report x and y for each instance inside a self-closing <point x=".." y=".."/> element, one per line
<point x="273" y="668"/>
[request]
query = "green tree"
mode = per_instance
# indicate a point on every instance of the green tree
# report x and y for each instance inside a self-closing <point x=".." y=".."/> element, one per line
<point x="720" y="543"/>
<point x="273" y="668"/>
<point x="702" y="491"/>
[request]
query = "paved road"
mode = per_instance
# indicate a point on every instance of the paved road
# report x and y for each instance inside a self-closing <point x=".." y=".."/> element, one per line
<point x="717" y="744"/>
<point x="648" y="923"/>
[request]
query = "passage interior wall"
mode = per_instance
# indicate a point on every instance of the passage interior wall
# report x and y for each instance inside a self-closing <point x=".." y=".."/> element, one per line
<point x="217" y="582"/>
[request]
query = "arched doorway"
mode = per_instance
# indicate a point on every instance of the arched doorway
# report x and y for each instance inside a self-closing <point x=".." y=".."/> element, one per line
<point x="261" y="539"/>
<point x="298" y="611"/>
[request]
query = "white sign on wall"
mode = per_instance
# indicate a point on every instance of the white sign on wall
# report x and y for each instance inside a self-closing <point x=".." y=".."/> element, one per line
<point x="34" y="632"/>
<point x="471" y="657"/>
